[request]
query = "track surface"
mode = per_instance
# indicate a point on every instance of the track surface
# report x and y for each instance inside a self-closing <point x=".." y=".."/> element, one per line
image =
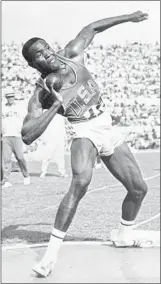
<point x="29" y="212"/>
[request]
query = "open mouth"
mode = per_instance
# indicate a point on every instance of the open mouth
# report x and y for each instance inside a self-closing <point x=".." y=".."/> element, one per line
<point x="51" y="59"/>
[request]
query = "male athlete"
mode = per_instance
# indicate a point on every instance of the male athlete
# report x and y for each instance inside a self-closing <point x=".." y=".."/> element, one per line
<point x="66" y="87"/>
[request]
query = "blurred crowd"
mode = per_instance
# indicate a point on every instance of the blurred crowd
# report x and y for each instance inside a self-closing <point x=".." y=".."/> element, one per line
<point x="128" y="76"/>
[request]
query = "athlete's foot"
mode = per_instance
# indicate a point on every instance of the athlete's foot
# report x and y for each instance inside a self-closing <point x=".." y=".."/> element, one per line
<point x="43" y="270"/>
<point x="131" y="241"/>
<point x="27" y="180"/>
<point x="123" y="242"/>
<point x="134" y="243"/>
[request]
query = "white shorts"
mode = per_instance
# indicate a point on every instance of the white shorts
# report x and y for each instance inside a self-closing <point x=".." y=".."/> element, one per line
<point x="100" y="131"/>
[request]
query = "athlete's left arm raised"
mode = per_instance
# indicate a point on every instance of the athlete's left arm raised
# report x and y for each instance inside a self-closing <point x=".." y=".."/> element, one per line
<point x="86" y="35"/>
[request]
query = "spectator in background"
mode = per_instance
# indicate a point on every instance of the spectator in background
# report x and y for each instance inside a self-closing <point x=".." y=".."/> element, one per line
<point x="12" y="142"/>
<point x="131" y="87"/>
<point x="52" y="146"/>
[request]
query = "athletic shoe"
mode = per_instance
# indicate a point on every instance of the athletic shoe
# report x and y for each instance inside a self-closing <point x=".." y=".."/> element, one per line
<point x="133" y="243"/>
<point x="42" y="270"/>
<point x="135" y="239"/>
<point x="26" y="181"/>
<point x="7" y="184"/>
<point x="42" y="175"/>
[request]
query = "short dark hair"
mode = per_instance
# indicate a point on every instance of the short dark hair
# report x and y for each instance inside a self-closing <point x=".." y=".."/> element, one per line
<point x="26" y="47"/>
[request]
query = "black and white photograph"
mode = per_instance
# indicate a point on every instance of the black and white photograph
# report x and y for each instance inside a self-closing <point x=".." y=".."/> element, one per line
<point x="80" y="141"/>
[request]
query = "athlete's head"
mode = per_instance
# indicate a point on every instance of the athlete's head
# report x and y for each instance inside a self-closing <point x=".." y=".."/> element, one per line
<point x="39" y="55"/>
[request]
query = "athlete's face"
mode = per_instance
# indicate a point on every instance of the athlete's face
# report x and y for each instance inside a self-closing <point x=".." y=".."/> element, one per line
<point x="43" y="57"/>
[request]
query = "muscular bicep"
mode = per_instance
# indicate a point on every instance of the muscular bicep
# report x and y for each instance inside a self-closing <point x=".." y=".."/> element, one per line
<point x="80" y="43"/>
<point x="32" y="114"/>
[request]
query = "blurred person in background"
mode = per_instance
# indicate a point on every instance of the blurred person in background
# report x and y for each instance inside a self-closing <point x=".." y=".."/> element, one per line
<point x="12" y="118"/>
<point x="52" y="146"/>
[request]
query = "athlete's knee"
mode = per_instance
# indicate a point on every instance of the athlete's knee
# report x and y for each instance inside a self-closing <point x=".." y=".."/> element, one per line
<point x="139" y="190"/>
<point x="80" y="184"/>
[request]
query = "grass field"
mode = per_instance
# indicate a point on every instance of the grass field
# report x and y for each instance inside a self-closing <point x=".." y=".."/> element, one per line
<point x="28" y="212"/>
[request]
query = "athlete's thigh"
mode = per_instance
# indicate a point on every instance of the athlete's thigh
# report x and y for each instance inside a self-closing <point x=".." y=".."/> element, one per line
<point x="123" y="166"/>
<point x="18" y="148"/>
<point x="83" y="155"/>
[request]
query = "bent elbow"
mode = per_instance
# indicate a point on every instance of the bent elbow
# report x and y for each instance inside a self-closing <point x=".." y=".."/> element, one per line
<point x="25" y="137"/>
<point x="26" y="140"/>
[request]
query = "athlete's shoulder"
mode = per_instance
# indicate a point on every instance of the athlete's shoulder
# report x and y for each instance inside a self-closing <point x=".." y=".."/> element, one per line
<point x="61" y="52"/>
<point x="68" y="53"/>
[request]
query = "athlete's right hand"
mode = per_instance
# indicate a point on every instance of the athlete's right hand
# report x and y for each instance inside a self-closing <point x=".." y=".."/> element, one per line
<point x="54" y="84"/>
<point x="138" y="17"/>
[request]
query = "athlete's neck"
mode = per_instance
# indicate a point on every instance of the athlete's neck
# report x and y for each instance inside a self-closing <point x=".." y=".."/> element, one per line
<point x="62" y="66"/>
